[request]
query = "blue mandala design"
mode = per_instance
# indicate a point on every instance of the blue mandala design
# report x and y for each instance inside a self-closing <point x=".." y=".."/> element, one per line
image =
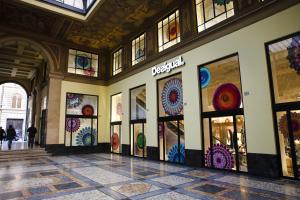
<point x="173" y="155"/>
<point x="84" y="137"/>
<point x="294" y="54"/>
<point x="171" y="96"/>
<point x="205" y="77"/>
<point x="222" y="2"/>
<point x="74" y="100"/>
<point x="82" y="62"/>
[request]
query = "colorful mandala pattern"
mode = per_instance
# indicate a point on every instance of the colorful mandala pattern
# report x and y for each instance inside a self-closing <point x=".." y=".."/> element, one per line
<point x="74" y="100"/>
<point x="139" y="54"/>
<point x="222" y="2"/>
<point x="89" y="71"/>
<point x="205" y="77"/>
<point x="72" y="124"/>
<point x="85" y="138"/>
<point x="173" y="30"/>
<point x="171" y="96"/>
<point x="294" y="54"/>
<point x="115" y="143"/>
<point x="141" y="141"/>
<point x="177" y="156"/>
<point x="227" y="97"/>
<point x="82" y="62"/>
<point x="283" y="125"/>
<point x="222" y="158"/>
<point x="87" y="110"/>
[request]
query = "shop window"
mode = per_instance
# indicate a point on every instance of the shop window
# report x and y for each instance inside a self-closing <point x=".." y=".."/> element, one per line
<point x="16" y="101"/>
<point x="138" y="49"/>
<point x="222" y="115"/>
<point x="284" y="65"/>
<point x="138" y="121"/>
<point x="117" y="62"/>
<point x="116" y="122"/>
<point x="170" y="119"/>
<point x="81" y="121"/>
<point x="83" y="63"/>
<point x="168" y="31"/>
<point x="211" y="12"/>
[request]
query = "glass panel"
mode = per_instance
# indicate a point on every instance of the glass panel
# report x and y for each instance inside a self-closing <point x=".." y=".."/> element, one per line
<point x="145" y="136"/>
<point x="285" y="67"/>
<point x="115" y="139"/>
<point x="85" y="105"/>
<point x="207" y="142"/>
<point x="116" y="108"/>
<point x="170" y="96"/>
<point x="139" y="140"/>
<point x="171" y="141"/>
<point x="161" y="132"/>
<point x="295" y="117"/>
<point x="220" y="85"/>
<point x="182" y="143"/>
<point x="83" y="136"/>
<point x="240" y="140"/>
<point x="284" y="143"/>
<point x="138" y="103"/>
<point x="223" y="152"/>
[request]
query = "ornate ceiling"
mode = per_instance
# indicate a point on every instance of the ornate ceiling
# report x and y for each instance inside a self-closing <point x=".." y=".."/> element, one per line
<point x="110" y="23"/>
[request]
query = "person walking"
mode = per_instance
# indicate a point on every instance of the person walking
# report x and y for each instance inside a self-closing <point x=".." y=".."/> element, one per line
<point x="11" y="134"/>
<point x="32" y="131"/>
<point x="2" y="134"/>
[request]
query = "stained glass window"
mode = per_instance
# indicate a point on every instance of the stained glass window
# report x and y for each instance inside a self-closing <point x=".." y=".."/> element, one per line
<point x="138" y="49"/>
<point x="211" y="12"/>
<point x="115" y="123"/>
<point x="81" y="122"/>
<point x="168" y="31"/>
<point x="83" y="63"/>
<point x="117" y="62"/>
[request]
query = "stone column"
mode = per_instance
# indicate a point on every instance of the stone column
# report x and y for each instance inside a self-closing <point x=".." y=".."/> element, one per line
<point x="53" y="113"/>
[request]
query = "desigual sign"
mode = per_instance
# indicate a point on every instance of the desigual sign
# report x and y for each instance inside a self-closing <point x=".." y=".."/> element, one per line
<point x="168" y="66"/>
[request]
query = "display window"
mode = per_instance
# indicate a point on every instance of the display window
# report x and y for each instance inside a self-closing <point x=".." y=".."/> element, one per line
<point x="170" y="119"/>
<point x="283" y="57"/>
<point x="81" y="121"/>
<point x="138" y="141"/>
<point x="223" y="123"/>
<point x="115" y="123"/>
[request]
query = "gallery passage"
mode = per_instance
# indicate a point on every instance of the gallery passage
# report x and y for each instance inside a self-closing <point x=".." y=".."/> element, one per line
<point x="81" y="125"/>
<point x="138" y="121"/>
<point x="116" y="122"/>
<point x="223" y="129"/>
<point x="170" y="119"/>
<point x="284" y="71"/>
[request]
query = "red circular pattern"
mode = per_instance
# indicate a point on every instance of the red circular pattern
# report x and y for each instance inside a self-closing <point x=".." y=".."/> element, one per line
<point x="227" y="97"/>
<point x="87" y="110"/>
<point x="115" y="141"/>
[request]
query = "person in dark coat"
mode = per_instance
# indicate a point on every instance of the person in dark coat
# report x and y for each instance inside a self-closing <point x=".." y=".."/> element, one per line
<point x="2" y="134"/>
<point x="11" y="134"/>
<point x="31" y="135"/>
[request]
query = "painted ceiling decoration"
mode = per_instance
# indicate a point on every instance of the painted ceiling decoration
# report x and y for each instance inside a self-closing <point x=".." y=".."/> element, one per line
<point x="110" y="23"/>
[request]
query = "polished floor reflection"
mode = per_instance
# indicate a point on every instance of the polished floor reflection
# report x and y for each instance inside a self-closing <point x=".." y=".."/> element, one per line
<point x="110" y="176"/>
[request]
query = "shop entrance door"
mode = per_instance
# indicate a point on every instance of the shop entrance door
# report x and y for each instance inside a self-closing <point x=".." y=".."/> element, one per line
<point x="18" y="126"/>
<point x="289" y="142"/>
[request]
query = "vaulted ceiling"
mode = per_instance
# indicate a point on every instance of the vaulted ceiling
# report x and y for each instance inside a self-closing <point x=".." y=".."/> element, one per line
<point x="107" y="26"/>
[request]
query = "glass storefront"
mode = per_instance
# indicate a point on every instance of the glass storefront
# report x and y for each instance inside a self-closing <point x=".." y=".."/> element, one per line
<point x="115" y="123"/>
<point x="222" y="115"/>
<point x="170" y="119"/>
<point x="284" y="69"/>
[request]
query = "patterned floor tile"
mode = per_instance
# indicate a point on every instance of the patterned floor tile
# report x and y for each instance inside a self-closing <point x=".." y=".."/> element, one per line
<point x="88" y="195"/>
<point x="66" y="186"/>
<point x="171" y="196"/>
<point x="135" y="188"/>
<point x="172" y="180"/>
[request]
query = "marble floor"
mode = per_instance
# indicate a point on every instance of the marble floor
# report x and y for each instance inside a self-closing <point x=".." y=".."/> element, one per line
<point x="16" y="145"/>
<point x="110" y="176"/>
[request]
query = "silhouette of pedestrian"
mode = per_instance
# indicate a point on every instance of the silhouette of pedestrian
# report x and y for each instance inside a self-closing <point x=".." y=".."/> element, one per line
<point x="2" y="134"/>
<point x="32" y="131"/>
<point x="11" y="134"/>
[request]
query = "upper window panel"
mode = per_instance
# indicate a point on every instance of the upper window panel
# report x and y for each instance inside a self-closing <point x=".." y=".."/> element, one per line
<point x="80" y="6"/>
<point x="116" y="108"/>
<point x="138" y="103"/>
<point x="211" y="12"/>
<point x="168" y="31"/>
<point x="284" y="57"/>
<point x="117" y="62"/>
<point x="83" y="63"/>
<point x="138" y="49"/>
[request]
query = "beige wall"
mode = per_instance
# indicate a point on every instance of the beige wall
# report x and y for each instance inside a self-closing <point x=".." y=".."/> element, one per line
<point x="249" y="43"/>
<point x="103" y="107"/>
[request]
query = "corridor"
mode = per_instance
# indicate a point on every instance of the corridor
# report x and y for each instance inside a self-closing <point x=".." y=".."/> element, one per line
<point x="110" y="176"/>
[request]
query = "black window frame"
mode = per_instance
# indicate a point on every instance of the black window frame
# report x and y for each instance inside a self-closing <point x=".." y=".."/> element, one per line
<point x="115" y="123"/>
